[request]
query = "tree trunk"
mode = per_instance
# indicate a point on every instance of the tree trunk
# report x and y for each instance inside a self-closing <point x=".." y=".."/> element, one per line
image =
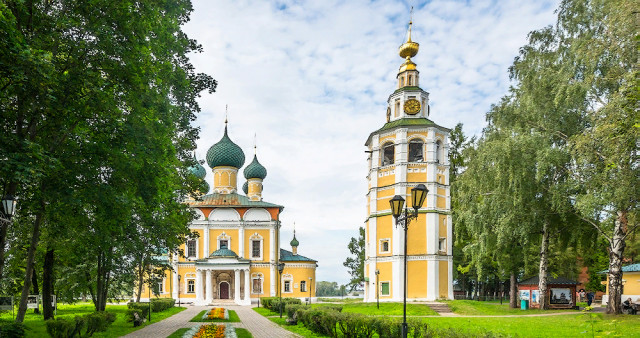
<point x="543" y="274"/>
<point x="36" y="289"/>
<point x="140" y="281"/>
<point x="513" y="300"/>
<point x="616" y="250"/>
<point x="47" y="285"/>
<point x="35" y="237"/>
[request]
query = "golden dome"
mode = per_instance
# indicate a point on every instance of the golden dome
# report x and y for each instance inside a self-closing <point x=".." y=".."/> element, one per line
<point x="407" y="65"/>
<point x="408" y="49"/>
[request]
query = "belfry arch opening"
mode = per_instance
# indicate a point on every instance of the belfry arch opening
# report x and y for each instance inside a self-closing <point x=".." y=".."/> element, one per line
<point x="416" y="150"/>
<point x="388" y="154"/>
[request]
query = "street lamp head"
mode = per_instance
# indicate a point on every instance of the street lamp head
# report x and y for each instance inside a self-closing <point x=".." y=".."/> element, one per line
<point x="418" y="195"/>
<point x="179" y="277"/>
<point x="377" y="271"/>
<point x="9" y="205"/>
<point x="397" y="203"/>
<point x="280" y="267"/>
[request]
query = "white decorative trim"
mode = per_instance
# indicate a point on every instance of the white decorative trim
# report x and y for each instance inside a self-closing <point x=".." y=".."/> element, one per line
<point x="380" y="242"/>
<point x="287" y="278"/>
<point x="257" y="215"/>
<point x="224" y="237"/>
<point x="259" y="276"/>
<point x="224" y="214"/>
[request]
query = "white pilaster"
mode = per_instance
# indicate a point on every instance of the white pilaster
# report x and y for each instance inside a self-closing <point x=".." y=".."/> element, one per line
<point x="450" y="279"/>
<point x="432" y="280"/>
<point x="206" y="242"/>
<point x="175" y="281"/>
<point x="397" y="280"/>
<point x="272" y="281"/>
<point x="247" y="288"/>
<point x="241" y="242"/>
<point x="272" y="246"/>
<point x="199" y="289"/>
<point x="236" y="282"/>
<point x="209" y="286"/>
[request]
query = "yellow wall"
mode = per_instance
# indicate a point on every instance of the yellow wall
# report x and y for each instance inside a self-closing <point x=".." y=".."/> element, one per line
<point x="384" y="230"/>
<point x="386" y="180"/>
<point x="416" y="177"/>
<point x="417" y="236"/>
<point x="631" y="284"/>
<point x="385" y="276"/>
<point x="299" y="274"/>
<point x="383" y="199"/>
<point x="231" y="233"/>
<point x="444" y="279"/>
<point x="265" y="243"/>
<point x="417" y="279"/>
<point x="266" y="281"/>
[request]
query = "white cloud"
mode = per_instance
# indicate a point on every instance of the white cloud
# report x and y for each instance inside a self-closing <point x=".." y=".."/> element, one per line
<point x="312" y="79"/>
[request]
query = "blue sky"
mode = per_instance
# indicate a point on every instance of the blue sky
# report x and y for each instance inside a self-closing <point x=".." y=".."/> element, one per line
<point x="311" y="80"/>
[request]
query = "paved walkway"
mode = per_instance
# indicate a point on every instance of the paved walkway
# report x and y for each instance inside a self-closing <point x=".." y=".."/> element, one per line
<point x="259" y="326"/>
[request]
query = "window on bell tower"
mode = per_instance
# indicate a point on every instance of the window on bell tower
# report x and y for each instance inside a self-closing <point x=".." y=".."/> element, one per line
<point x="416" y="151"/>
<point x="438" y="151"/>
<point x="410" y="81"/>
<point x="388" y="151"/>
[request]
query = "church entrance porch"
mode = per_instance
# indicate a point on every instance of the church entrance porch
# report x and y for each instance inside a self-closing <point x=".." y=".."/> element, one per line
<point x="217" y="283"/>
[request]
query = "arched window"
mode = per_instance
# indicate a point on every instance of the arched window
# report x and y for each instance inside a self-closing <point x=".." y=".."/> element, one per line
<point x="438" y="151"/>
<point x="410" y="80"/>
<point x="387" y="154"/>
<point x="416" y="151"/>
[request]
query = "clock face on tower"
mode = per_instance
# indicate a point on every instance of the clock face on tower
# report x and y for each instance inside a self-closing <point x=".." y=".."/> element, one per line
<point x="412" y="106"/>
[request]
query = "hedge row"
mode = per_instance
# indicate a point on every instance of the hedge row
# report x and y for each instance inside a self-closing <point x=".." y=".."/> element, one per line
<point x="273" y="303"/>
<point x="84" y="326"/>
<point x="330" y="321"/>
<point x="157" y="305"/>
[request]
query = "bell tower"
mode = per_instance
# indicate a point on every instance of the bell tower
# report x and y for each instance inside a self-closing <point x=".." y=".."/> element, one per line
<point x="409" y="149"/>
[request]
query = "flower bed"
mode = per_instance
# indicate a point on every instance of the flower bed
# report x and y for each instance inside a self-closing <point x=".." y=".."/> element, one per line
<point x="216" y="313"/>
<point x="211" y="331"/>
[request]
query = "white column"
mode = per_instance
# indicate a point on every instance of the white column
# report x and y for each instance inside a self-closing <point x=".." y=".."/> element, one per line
<point x="272" y="281"/>
<point x="175" y="281"/>
<point x="209" y="286"/>
<point x="199" y="296"/>
<point x="432" y="279"/>
<point x="241" y="242"/>
<point x="236" y="282"/>
<point x="247" y="287"/>
<point x="206" y="242"/>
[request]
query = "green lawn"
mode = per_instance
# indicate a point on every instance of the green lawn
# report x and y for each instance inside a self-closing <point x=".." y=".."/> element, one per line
<point x="575" y="325"/>
<point x="37" y="328"/>
<point x="476" y="308"/>
<point x="339" y="300"/>
<point x="233" y="317"/>
<point x="386" y="309"/>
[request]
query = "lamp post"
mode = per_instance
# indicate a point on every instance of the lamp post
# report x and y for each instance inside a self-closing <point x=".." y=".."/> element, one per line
<point x="310" y="280"/>
<point x="259" y="288"/>
<point x="280" y="269"/>
<point x="418" y="195"/>
<point x="377" y="289"/>
<point x="179" y="277"/>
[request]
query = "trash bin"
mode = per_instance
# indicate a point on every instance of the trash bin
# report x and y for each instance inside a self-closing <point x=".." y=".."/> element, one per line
<point x="524" y="304"/>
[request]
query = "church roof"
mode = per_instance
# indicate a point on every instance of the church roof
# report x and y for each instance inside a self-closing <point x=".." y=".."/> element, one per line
<point x="223" y="252"/>
<point x="406" y="122"/>
<point x="288" y="256"/>
<point x="627" y="268"/>
<point x="216" y="199"/>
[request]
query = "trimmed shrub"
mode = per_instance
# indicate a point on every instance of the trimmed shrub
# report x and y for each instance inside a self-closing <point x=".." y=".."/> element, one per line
<point x="65" y="328"/>
<point x="320" y="320"/>
<point x="161" y="304"/>
<point x="355" y="325"/>
<point x="387" y="327"/>
<point x="333" y="307"/>
<point x="11" y="329"/>
<point x="273" y="303"/>
<point x="142" y="313"/>
<point x="99" y="321"/>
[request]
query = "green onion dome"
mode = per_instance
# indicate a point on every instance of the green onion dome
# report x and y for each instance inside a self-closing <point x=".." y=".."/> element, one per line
<point x="225" y="153"/>
<point x="198" y="169"/>
<point x="245" y="187"/>
<point x="255" y="169"/>
<point x="294" y="241"/>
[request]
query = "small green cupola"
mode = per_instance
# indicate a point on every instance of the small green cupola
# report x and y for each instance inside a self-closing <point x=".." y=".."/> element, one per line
<point x="255" y="169"/>
<point x="198" y="170"/>
<point x="294" y="243"/>
<point x="245" y="187"/>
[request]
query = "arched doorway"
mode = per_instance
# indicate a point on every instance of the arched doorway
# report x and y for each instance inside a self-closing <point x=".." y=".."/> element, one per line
<point x="224" y="290"/>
